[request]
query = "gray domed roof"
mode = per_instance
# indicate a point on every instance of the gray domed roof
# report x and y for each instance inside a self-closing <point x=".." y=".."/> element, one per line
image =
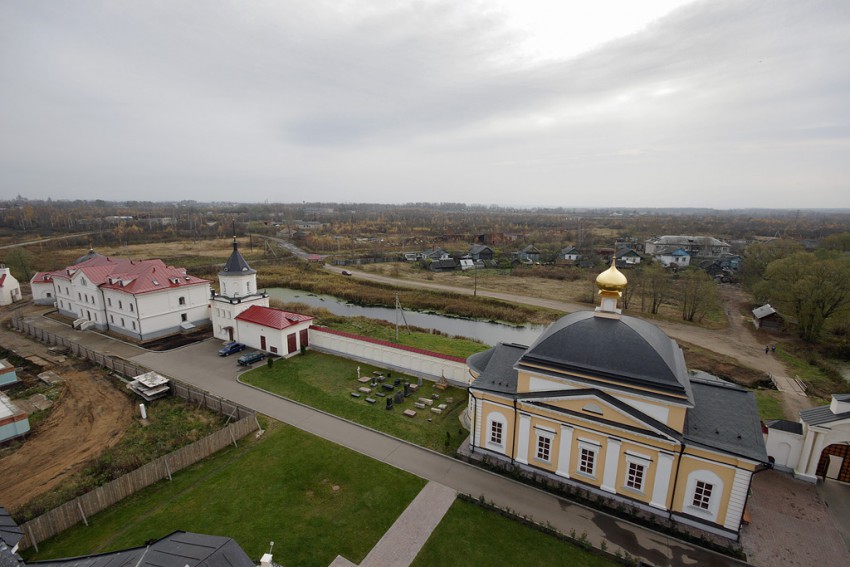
<point x="620" y="351"/>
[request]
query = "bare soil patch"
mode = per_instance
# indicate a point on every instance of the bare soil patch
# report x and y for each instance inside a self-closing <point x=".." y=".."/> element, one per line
<point x="90" y="415"/>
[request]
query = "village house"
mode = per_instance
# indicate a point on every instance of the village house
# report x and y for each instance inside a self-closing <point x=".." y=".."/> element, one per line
<point x="568" y="254"/>
<point x="767" y="318"/>
<point x="528" y="255"/>
<point x="677" y="258"/>
<point x="604" y="402"/>
<point x="699" y="247"/>
<point x="480" y="252"/>
<point x="627" y="257"/>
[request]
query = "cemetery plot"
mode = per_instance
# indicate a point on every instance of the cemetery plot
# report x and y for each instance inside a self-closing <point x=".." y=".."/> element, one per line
<point x="354" y="390"/>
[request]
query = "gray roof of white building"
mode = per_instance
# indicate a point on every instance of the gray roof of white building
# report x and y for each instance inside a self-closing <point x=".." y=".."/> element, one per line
<point x="179" y="549"/>
<point x="822" y="414"/>
<point x="725" y="417"/>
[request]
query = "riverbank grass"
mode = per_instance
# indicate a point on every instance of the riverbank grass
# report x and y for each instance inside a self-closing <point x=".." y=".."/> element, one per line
<point x="326" y="382"/>
<point x="314" y="499"/>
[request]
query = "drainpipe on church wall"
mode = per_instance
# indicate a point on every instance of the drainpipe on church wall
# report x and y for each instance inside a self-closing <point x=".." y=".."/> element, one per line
<point x="676" y="481"/>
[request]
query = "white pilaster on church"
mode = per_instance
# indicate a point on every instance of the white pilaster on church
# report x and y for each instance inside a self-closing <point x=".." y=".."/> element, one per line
<point x="612" y="463"/>
<point x="564" y="450"/>
<point x="661" y="487"/>
<point x="737" y="500"/>
<point x="524" y="434"/>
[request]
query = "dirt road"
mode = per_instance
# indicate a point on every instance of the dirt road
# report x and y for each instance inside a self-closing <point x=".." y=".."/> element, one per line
<point x="90" y="416"/>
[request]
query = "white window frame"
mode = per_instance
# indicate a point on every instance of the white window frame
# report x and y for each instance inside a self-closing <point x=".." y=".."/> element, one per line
<point x="593" y="448"/>
<point x="636" y="460"/>
<point x="548" y="437"/>
<point x="498" y="417"/>
<point x="706" y="477"/>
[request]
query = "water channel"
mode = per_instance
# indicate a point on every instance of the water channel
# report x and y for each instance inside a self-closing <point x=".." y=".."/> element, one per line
<point x="484" y="331"/>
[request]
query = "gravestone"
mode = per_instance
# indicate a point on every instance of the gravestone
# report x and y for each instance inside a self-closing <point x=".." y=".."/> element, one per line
<point x="371" y="400"/>
<point x="389" y="403"/>
<point x="435" y="396"/>
<point x="380" y="394"/>
<point x="409" y="413"/>
<point x="436" y="410"/>
<point x="355" y="395"/>
<point x="420" y="381"/>
<point x="406" y="389"/>
<point x="397" y="381"/>
<point x="388" y="387"/>
<point x="418" y="405"/>
<point x="399" y="397"/>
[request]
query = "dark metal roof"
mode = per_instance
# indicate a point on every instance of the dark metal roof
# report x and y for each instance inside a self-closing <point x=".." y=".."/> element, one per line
<point x="821" y="415"/>
<point x="9" y="530"/>
<point x="725" y="418"/>
<point x="236" y="264"/>
<point x="496" y="367"/>
<point x="625" y="350"/>
<point x="785" y="425"/>
<point x="179" y="549"/>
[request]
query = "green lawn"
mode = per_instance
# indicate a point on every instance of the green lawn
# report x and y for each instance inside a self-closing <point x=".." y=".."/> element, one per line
<point x="325" y="382"/>
<point x="470" y="535"/>
<point x="820" y="383"/>
<point x="770" y="404"/>
<point x="314" y="499"/>
<point x="435" y="342"/>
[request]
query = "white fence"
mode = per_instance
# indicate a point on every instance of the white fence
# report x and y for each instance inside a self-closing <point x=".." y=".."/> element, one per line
<point x="410" y="360"/>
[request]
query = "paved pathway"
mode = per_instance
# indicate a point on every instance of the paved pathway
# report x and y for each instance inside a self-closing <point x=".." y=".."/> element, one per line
<point x="405" y="538"/>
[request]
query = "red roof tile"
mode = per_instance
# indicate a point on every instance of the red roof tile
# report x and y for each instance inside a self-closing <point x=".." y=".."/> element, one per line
<point x="129" y="276"/>
<point x="270" y="317"/>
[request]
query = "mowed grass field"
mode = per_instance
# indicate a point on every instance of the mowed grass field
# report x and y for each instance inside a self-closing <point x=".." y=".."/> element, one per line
<point x="326" y="382"/>
<point x="472" y="536"/>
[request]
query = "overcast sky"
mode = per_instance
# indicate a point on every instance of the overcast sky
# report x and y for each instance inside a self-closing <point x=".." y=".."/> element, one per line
<point x="717" y="103"/>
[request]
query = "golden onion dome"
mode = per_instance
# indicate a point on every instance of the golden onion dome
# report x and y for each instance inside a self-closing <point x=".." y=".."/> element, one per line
<point x="611" y="279"/>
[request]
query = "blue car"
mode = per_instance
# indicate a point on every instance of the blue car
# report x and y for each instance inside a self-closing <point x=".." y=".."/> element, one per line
<point x="251" y="358"/>
<point x="231" y="348"/>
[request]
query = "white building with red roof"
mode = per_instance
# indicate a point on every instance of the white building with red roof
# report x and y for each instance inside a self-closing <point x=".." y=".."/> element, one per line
<point x="272" y="330"/>
<point x="10" y="289"/>
<point x="142" y="299"/>
<point x="41" y="286"/>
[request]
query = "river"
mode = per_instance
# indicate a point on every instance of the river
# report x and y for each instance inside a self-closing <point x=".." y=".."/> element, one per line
<point x="484" y="331"/>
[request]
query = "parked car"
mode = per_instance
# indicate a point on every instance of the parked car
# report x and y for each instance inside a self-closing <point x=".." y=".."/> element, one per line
<point x="346" y="273"/>
<point x="251" y="358"/>
<point x="230" y="348"/>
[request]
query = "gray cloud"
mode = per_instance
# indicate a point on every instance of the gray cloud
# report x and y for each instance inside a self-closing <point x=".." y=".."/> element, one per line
<point x="720" y="103"/>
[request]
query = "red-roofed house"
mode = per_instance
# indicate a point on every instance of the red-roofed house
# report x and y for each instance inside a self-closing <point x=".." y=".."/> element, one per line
<point x="273" y="330"/>
<point x="41" y="286"/>
<point x="143" y="299"/>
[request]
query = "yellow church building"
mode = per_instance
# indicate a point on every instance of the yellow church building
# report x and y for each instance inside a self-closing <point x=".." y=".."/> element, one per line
<point x="605" y="402"/>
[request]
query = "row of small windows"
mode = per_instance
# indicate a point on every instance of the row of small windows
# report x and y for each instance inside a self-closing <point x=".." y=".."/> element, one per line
<point x="635" y="473"/>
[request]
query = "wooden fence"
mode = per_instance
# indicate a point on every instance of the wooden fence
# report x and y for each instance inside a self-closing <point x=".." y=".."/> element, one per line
<point x="131" y="370"/>
<point x="80" y="509"/>
<point x="83" y="507"/>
